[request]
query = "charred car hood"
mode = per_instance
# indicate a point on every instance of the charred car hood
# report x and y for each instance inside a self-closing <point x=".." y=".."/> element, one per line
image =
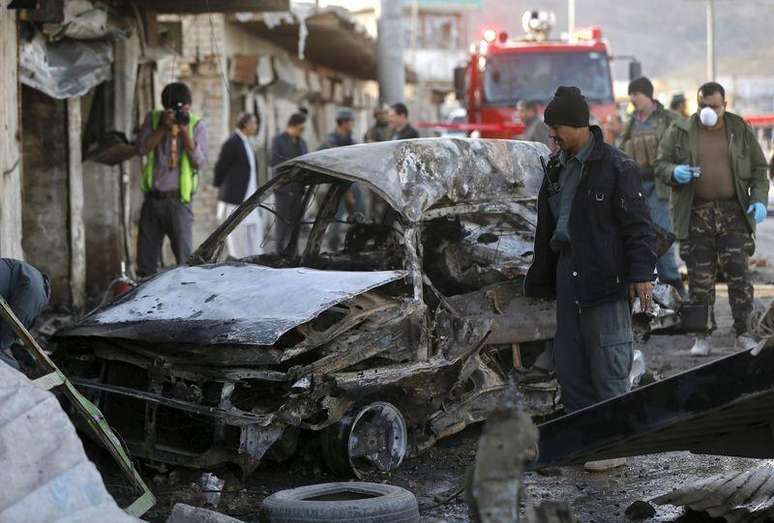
<point x="234" y="303"/>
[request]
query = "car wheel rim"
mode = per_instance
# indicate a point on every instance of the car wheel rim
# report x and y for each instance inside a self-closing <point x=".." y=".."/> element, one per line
<point x="377" y="439"/>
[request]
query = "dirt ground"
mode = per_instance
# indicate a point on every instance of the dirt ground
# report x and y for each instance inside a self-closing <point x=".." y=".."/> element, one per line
<point x="437" y="475"/>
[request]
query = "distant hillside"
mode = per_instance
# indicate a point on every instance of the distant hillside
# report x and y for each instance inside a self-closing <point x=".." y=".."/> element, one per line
<point x="668" y="36"/>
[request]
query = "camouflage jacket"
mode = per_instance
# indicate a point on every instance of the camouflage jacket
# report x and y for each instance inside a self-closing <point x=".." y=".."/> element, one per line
<point x="664" y="120"/>
<point x="679" y="146"/>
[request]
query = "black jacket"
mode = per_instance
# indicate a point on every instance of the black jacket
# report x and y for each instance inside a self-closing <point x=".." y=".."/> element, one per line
<point x="406" y="133"/>
<point x="611" y="233"/>
<point x="284" y="148"/>
<point x="232" y="171"/>
<point x="335" y="139"/>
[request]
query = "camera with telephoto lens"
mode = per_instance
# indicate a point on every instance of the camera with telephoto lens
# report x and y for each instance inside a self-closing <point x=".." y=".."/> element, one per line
<point x="181" y="117"/>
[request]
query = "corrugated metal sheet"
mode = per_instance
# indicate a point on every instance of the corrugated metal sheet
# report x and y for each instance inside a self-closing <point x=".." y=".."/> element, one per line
<point x="739" y="497"/>
<point x="725" y="407"/>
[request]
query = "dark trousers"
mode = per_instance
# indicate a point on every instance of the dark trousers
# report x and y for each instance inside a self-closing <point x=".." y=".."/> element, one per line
<point x="660" y="212"/>
<point x="718" y="238"/>
<point x="593" y="346"/>
<point x="162" y="217"/>
<point x="287" y="202"/>
<point x="27" y="292"/>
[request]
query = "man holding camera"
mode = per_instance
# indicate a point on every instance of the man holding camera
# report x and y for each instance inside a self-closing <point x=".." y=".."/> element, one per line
<point x="175" y="143"/>
<point x="719" y="193"/>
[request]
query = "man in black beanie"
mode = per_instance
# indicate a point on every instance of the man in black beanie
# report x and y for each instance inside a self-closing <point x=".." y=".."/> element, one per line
<point x="592" y="252"/>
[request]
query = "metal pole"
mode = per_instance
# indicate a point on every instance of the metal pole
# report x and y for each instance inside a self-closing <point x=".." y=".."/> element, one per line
<point x="414" y="26"/>
<point x="571" y="18"/>
<point x="391" y="72"/>
<point x="711" y="62"/>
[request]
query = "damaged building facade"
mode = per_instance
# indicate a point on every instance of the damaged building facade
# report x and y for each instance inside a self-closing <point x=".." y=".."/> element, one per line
<point x="72" y="200"/>
<point x="270" y="64"/>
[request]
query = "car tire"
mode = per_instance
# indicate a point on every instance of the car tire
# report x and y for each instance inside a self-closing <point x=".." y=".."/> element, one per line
<point x="353" y="502"/>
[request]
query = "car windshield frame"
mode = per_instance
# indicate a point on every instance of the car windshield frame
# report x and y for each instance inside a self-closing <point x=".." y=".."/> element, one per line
<point x="545" y="72"/>
<point x="321" y="200"/>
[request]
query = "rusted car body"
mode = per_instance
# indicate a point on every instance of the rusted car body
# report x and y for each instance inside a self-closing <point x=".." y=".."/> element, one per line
<point x="418" y="313"/>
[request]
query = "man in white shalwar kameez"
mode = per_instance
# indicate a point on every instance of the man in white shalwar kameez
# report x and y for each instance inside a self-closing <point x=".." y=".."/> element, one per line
<point x="237" y="177"/>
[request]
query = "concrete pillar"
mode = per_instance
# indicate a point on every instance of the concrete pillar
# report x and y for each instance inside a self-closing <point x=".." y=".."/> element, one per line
<point x="10" y="146"/>
<point x="75" y="204"/>
<point x="390" y="43"/>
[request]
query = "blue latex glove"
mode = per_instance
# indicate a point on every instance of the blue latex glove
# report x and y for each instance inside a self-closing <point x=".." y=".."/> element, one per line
<point x="682" y="174"/>
<point x="758" y="210"/>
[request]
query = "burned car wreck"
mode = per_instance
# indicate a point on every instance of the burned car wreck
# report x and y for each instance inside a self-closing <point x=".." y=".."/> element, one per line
<point x="383" y="333"/>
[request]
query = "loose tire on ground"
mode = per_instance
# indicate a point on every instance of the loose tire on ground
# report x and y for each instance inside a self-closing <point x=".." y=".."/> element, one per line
<point x="352" y="502"/>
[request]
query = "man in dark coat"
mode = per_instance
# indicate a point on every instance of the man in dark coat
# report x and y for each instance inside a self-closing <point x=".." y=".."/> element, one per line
<point x="237" y="177"/>
<point x="398" y="117"/>
<point x="288" y="198"/>
<point x="593" y="252"/>
<point x="354" y="199"/>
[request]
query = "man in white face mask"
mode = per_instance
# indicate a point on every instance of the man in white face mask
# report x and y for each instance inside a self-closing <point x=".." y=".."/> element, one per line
<point x="719" y="193"/>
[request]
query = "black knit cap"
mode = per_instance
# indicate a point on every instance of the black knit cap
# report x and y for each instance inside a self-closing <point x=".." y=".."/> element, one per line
<point x="568" y="107"/>
<point x="641" y="85"/>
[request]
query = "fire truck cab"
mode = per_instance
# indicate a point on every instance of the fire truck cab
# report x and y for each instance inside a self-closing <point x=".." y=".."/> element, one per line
<point x="501" y="72"/>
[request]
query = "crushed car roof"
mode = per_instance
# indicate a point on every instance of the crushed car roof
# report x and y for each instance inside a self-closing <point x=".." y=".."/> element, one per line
<point x="235" y="303"/>
<point x="415" y="175"/>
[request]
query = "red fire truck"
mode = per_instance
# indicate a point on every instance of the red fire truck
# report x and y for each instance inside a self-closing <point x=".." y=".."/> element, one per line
<point x="502" y="72"/>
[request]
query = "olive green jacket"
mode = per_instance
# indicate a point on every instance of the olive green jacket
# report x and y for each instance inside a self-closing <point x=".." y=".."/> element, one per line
<point x="679" y="147"/>
<point x="664" y="120"/>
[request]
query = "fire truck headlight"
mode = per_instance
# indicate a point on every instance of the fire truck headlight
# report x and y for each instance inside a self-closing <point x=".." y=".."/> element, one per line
<point x="490" y="35"/>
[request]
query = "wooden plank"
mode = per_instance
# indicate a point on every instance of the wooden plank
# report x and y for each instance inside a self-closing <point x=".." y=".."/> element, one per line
<point x="75" y="204"/>
<point x="10" y="146"/>
<point x="151" y="27"/>
<point x="213" y="6"/>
